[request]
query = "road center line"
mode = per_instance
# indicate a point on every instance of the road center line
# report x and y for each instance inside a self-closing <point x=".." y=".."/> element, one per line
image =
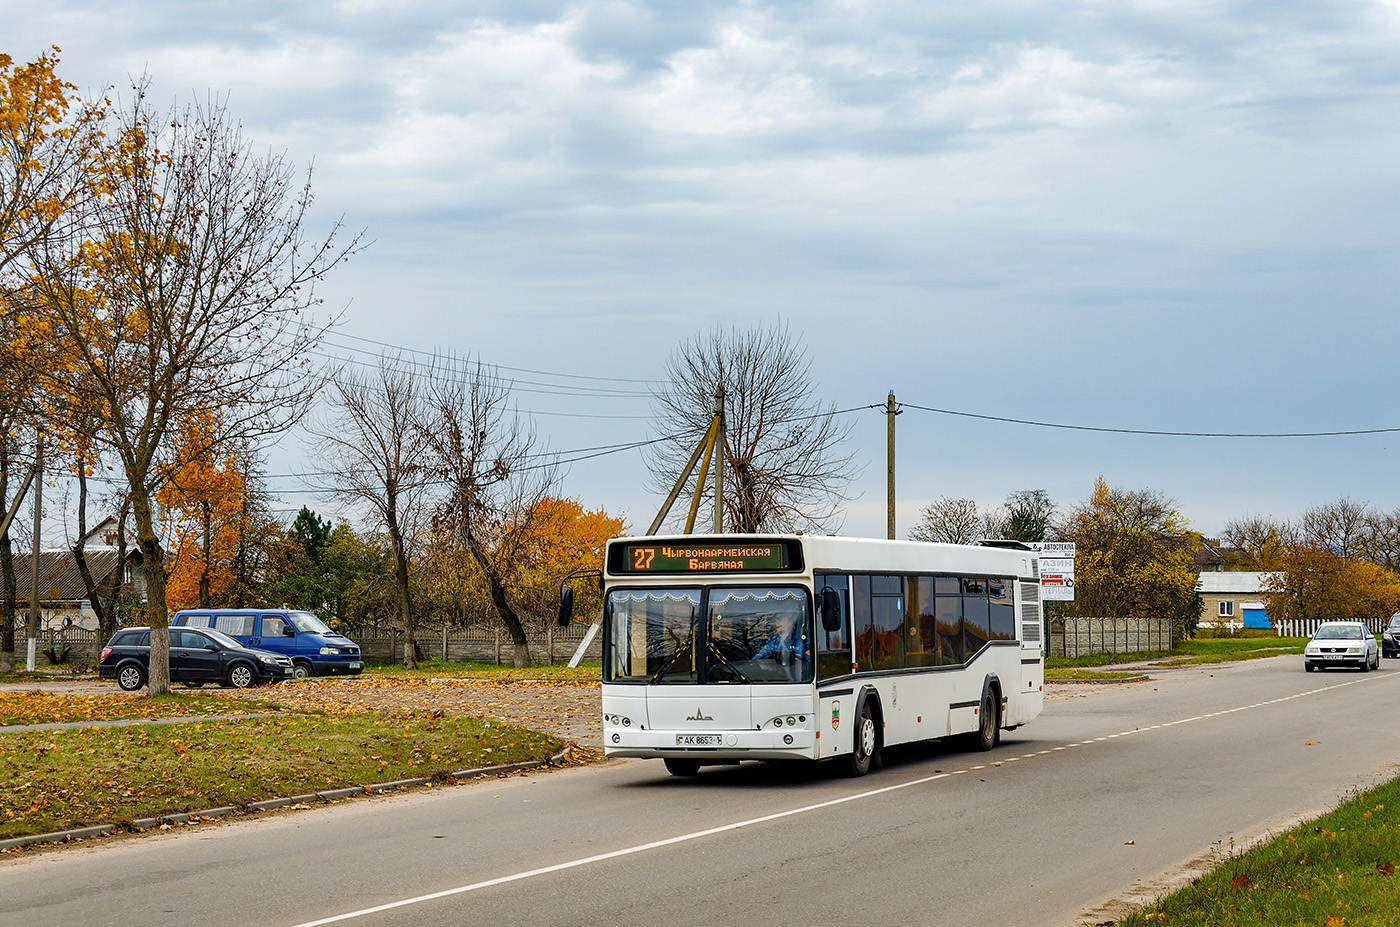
<point x="805" y="809"/>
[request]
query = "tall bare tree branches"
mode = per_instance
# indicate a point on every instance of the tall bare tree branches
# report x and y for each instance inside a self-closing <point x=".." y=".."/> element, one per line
<point x="372" y="444"/>
<point x="783" y="464"/>
<point x="495" y="478"/>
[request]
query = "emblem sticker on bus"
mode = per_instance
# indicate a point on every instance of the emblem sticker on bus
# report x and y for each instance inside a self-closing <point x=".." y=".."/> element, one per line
<point x="835" y="714"/>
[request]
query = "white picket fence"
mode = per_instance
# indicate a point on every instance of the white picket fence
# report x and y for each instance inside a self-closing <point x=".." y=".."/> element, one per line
<point x="1300" y="627"/>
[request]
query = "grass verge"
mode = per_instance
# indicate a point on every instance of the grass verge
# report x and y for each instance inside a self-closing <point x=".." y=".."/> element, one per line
<point x="1204" y="650"/>
<point x="40" y="707"/>
<point x="56" y="780"/>
<point x="1336" y="871"/>
<point x="1075" y="674"/>
<point x="590" y="671"/>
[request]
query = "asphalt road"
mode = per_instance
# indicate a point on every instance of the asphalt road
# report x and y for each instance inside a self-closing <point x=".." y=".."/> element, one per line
<point x="1110" y="787"/>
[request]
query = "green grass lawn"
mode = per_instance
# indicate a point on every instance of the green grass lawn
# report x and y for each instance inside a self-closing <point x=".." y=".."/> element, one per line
<point x="1201" y="650"/>
<point x="57" y="780"/>
<point x="587" y="671"/>
<point x="1336" y="871"/>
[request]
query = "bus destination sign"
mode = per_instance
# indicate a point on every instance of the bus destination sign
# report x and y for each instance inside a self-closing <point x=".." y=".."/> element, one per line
<point x="701" y="557"/>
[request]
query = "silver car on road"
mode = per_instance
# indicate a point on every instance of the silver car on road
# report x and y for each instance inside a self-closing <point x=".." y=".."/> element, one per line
<point x="1342" y="643"/>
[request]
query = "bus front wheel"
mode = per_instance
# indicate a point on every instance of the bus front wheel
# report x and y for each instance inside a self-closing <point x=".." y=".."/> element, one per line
<point x="867" y="743"/>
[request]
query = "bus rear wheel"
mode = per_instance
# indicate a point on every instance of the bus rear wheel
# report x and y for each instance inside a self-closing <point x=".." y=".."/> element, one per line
<point x="678" y="767"/>
<point x="988" y="724"/>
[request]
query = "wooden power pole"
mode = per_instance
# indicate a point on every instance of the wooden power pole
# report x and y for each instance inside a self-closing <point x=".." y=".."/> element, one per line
<point x="890" y="413"/>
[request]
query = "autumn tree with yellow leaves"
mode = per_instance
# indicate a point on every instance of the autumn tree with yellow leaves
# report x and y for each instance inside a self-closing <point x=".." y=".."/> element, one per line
<point x="47" y="135"/>
<point x="187" y="291"/>
<point x="212" y="514"/>
<point x="1133" y="558"/>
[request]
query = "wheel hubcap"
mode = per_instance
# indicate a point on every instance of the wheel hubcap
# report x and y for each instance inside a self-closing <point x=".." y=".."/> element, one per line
<point x="867" y="736"/>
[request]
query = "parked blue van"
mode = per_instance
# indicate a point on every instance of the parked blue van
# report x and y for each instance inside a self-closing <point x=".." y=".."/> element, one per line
<point x="315" y="650"/>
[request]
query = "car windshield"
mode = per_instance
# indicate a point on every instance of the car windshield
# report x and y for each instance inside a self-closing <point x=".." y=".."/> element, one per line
<point x="307" y="623"/>
<point x="1339" y="632"/>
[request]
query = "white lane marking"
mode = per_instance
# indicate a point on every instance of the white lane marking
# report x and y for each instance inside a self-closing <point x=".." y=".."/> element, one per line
<point x="696" y="835"/>
<point x="628" y="851"/>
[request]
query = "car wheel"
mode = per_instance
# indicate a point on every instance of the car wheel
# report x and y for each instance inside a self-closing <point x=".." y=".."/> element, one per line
<point x="241" y="676"/>
<point x="301" y="670"/>
<point x="131" y="677"/>
<point x="1309" y="667"/>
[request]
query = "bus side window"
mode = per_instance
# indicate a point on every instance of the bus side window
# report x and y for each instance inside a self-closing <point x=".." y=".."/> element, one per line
<point x="834" y="647"/>
<point x="887" y="616"/>
<point x="862" y="627"/>
<point x="948" y="607"/>
<point x="1000" y="593"/>
<point x="922" y="644"/>
<point x="976" y="617"/>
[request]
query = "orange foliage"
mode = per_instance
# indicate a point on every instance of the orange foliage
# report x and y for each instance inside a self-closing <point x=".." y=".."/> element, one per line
<point x="209" y="488"/>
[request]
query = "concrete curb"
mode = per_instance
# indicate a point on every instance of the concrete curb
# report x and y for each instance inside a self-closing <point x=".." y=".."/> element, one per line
<point x="1106" y="681"/>
<point x="142" y="825"/>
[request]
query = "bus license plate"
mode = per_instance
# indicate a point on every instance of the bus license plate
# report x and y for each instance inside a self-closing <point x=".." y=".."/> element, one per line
<point x="697" y="740"/>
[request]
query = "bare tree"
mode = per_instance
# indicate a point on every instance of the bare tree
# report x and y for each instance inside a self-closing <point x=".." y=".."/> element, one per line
<point x="783" y="466"/>
<point x="1383" y="539"/>
<point x="949" y="521"/>
<point x="189" y="293"/>
<point x="496" y="477"/>
<point x="373" y="447"/>
<point x="1263" y="540"/>
<point x="1342" y="526"/>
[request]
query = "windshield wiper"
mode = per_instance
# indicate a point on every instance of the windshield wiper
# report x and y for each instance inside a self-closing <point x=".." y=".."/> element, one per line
<point x="714" y="651"/>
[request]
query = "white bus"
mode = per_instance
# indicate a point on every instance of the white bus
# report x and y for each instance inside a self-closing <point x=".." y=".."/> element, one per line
<point x="723" y="648"/>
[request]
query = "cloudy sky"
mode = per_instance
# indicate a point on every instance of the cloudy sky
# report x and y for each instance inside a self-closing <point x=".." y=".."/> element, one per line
<point x="1155" y="216"/>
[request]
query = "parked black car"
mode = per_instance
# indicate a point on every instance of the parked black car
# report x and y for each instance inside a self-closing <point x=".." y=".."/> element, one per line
<point x="197" y="656"/>
<point x="1390" y="637"/>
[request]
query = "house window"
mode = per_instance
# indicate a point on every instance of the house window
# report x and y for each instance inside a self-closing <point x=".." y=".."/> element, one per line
<point x="1227" y="609"/>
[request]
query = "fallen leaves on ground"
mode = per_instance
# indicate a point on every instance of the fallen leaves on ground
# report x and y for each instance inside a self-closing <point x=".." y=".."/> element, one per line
<point x="39" y="707"/>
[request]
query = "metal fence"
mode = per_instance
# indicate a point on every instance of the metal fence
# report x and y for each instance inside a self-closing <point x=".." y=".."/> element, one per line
<point x="480" y="644"/>
<point x="1077" y="637"/>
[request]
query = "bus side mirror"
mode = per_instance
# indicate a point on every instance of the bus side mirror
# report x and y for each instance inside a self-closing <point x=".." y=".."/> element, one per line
<point x="831" y="610"/>
<point x="566" y="606"/>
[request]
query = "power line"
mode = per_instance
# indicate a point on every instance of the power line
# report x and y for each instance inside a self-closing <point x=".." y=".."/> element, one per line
<point x="1145" y="431"/>
<point x="543" y="373"/>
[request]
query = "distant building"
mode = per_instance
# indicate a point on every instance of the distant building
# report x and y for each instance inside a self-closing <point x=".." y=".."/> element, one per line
<point x="1233" y="599"/>
<point x="1214" y="557"/>
<point x="63" y="597"/>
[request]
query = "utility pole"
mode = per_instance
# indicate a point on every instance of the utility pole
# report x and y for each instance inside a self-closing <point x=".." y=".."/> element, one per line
<point x="204" y="574"/>
<point x="719" y="460"/>
<point x="33" y="625"/>
<point x="890" y="413"/>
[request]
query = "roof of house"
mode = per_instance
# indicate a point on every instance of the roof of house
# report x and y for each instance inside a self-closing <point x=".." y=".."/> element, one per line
<point x="1238" y="582"/>
<point x="58" y="572"/>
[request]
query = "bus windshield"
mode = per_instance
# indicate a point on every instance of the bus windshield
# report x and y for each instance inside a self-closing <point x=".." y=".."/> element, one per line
<point x="751" y="634"/>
